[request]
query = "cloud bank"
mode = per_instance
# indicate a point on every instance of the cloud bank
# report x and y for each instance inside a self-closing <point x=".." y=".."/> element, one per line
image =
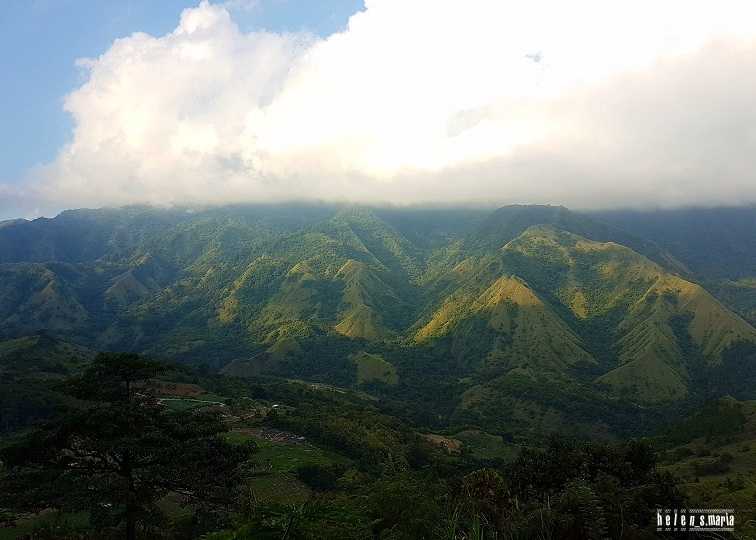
<point x="585" y="103"/>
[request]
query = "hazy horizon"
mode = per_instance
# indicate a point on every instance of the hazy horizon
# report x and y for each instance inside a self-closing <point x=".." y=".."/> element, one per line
<point x="412" y="103"/>
<point x="382" y="206"/>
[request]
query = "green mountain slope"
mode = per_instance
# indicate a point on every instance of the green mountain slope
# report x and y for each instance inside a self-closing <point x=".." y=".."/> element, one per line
<point x="367" y="303"/>
<point x="509" y="222"/>
<point x="520" y="331"/>
<point x="41" y="356"/>
<point x="639" y="303"/>
<point x="553" y="303"/>
<point x="40" y="296"/>
<point x="524" y="307"/>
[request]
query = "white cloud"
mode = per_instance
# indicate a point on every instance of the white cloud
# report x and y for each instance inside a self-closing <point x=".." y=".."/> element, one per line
<point x="587" y="103"/>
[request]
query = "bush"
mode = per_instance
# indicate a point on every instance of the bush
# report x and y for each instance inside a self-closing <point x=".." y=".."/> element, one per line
<point x="734" y="484"/>
<point x="712" y="467"/>
<point x="321" y="477"/>
<point x="682" y="453"/>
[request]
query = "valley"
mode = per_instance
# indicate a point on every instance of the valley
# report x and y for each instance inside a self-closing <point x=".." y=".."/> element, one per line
<point x="342" y="342"/>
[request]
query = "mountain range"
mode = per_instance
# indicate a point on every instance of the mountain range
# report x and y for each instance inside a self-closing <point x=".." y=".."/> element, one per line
<point x="521" y="313"/>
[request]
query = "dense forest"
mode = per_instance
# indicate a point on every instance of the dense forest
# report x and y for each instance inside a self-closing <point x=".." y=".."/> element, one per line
<point x="122" y="459"/>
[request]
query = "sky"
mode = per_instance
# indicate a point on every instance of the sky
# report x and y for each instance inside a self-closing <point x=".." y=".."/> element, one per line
<point x="587" y="103"/>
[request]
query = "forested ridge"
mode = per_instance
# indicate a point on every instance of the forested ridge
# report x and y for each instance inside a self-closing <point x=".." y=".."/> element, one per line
<point x="365" y="372"/>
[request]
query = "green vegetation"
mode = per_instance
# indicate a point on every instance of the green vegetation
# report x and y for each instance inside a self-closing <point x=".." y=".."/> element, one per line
<point x="378" y="359"/>
<point x="712" y="452"/>
<point x="117" y="457"/>
<point x="485" y="446"/>
<point x="285" y="457"/>
<point x="330" y="463"/>
<point x="582" y="314"/>
<point x="372" y="367"/>
<point x="298" y="291"/>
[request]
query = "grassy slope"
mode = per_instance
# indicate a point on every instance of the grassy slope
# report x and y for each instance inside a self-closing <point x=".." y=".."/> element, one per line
<point x="695" y="462"/>
<point x="373" y="367"/>
<point x="527" y="334"/>
<point x="740" y="295"/>
<point x="594" y="279"/>
<point x="42" y="356"/>
<point x="513" y="296"/>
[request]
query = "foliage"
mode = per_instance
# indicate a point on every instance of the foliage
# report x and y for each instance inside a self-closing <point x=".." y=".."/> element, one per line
<point x="117" y="457"/>
<point x="367" y="326"/>
<point x="715" y="419"/>
<point x="570" y="490"/>
<point x="321" y="477"/>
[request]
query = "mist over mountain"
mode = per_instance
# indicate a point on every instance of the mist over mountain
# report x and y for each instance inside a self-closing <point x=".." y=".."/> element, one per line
<point x="498" y="101"/>
<point x="519" y="302"/>
<point x="394" y="345"/>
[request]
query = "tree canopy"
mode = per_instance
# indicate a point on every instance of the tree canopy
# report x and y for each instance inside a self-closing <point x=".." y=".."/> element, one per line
<point x="121" y="453"/>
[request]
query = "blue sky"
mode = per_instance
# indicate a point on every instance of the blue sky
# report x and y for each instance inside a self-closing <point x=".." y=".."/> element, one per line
<point x="582" y="103"/>
<point x="40" y="41"/>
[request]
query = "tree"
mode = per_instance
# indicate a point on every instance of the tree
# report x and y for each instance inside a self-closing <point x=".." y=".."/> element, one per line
<point x="124" y="452"/>
<point x="404" y="506"/>
<point x="486" y="496"/>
